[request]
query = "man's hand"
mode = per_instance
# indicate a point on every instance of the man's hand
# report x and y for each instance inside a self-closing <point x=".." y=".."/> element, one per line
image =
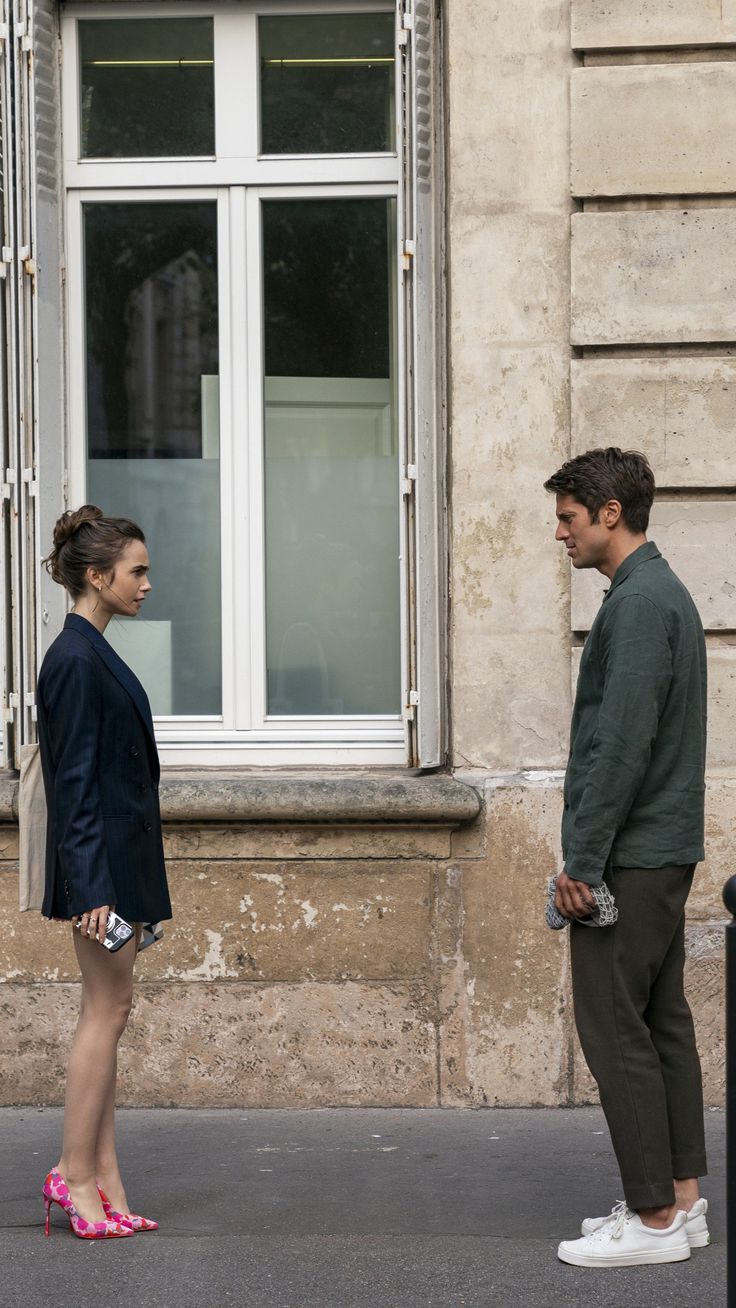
<point x="573" y="898"/>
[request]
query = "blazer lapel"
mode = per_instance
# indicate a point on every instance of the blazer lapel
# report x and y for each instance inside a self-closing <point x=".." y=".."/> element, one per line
<point x="117" y="667"/>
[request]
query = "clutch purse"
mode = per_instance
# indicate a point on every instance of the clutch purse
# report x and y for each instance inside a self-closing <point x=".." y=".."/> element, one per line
<point x="604" y="914"/>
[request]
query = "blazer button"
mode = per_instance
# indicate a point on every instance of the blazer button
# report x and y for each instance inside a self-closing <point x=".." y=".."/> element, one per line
<point x="133" y="751"/>
<point x="146" y="826"/>
<point x="143" y="788"/>
<point x="154" y="785"/>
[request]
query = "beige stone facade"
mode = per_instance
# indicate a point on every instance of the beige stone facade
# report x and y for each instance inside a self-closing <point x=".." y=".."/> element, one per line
<point x="357" y="958"/>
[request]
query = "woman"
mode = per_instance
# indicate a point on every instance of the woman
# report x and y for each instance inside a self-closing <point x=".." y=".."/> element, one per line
<point x="103" y="848"/>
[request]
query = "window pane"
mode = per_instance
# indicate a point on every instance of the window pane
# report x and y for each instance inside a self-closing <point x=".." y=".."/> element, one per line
<point x="147" y="87"/>
<point x="332" y="519"/>
<point x="153" y="431"/>
<point x="327" y="84"/>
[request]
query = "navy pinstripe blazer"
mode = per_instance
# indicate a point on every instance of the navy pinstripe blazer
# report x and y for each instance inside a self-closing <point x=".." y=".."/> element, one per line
<point x="101" y="774"/>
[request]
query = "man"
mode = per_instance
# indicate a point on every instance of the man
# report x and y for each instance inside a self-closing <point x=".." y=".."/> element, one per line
<point x="633" y="817"/>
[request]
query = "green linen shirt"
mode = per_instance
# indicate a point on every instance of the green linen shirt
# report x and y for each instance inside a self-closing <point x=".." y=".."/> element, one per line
<point x="635" y="780"/>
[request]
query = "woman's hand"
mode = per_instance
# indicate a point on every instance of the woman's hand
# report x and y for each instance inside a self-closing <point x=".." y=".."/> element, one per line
<point x="93" y="923"/>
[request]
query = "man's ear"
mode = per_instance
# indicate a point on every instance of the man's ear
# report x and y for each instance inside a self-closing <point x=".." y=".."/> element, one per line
<point x="611" y="512"/>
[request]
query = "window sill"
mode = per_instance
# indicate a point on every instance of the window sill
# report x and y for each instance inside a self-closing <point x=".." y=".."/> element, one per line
<point x="290" y="795"/>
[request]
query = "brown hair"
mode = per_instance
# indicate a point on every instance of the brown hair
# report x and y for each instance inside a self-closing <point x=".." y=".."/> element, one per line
<point x="598" y="476"/>
<point x="87" y="539"/>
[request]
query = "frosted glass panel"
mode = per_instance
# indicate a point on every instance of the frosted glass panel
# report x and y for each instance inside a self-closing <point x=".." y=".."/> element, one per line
<point x="153" y="431"/>
<point x="332" y="527"/>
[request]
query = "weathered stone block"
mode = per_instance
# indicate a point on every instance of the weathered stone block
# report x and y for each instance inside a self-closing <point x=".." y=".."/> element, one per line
<point x="681" y="413"/>
<point x="509" y="278"/>
<point x="611" y="24"/>
<point x="508" y="583"/>
<point x="226" y="1045"/>
<point x="514" y="151"/>
<point x="699" y="542"/>
<point x="644" y="130"/>
<point x="653" y="277"/>
<point x="8" y="842"/>
<point x="276" y="921"/>
<point x="705" y="989"/>
<point x="298" y="841"/>
<point x="719" y="864"/>
<point x="505" y="1015"/>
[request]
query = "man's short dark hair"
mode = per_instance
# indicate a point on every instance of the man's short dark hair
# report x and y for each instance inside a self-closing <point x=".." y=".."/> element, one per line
<point x="598" y="476"/>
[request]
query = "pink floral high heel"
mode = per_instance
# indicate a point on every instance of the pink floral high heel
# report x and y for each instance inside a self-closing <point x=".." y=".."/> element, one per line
<point x="56" y="1191"/>
<point x="138" y="1223"/>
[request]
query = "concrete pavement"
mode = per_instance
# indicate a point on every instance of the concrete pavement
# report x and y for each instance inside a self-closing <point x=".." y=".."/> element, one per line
<point x="342" y="1208"/>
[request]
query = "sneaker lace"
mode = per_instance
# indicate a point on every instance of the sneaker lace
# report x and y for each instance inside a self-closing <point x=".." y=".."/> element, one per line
<point x="614" y="1223"/>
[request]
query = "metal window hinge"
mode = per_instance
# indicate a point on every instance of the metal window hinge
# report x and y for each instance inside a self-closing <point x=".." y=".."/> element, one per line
<point x="4" y="32"/>
<point x="6" y="259"/>
<point x="408" y="482"/>
<point x="30" y="481"/>
<point x="26" y="258"/>
<point x="29" y="700"/>
<point x="10" y="481"/>
<point x="409" y="708"/>
<point x="12" y="705"/>
<point x="408" y="252"/>
<point x="407" y="26"/>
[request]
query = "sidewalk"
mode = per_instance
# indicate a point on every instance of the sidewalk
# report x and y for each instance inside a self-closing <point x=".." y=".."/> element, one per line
<point x="342" y="1208"/>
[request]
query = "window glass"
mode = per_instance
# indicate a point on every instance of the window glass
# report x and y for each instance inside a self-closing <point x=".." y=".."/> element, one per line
<point x="147" y="87"/>
<point x="153" y="431"/>
<point x="332" y="514"/>
<point x="327" y="84"/>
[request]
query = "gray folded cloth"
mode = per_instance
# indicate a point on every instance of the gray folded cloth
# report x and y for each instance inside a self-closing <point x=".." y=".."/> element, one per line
<point x="605" y="914"/>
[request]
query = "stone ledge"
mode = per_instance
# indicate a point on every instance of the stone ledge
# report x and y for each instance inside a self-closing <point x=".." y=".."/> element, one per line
<point x="215" y="795"/>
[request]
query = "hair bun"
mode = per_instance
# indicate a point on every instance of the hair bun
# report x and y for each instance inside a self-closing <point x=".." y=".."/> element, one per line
<point x="69" y="523"/>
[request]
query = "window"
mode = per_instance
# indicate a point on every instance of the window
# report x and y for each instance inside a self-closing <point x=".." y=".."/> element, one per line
<point x="221" y="315"/>
<point x="233" y="184"/>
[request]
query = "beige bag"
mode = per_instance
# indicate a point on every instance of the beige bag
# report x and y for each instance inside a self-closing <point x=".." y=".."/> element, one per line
<point x="32" y="824"/>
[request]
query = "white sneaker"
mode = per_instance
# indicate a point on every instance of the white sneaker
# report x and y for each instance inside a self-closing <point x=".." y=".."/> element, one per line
<point x="624" y="1241"/>
<point x="696" y="1226"/>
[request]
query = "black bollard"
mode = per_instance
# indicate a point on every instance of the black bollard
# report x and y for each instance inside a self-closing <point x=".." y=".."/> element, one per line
<point x="729" y="899"/>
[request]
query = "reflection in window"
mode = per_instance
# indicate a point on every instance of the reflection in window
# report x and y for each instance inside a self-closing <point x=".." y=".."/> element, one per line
<point x="332" y="588"/>
<point x="147" y="87"/>
<point x="153" y="431"/>
<point x="327" y="84"/>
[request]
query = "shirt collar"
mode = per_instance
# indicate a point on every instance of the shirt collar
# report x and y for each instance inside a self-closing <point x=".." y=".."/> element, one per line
<point x="643" y="554"/>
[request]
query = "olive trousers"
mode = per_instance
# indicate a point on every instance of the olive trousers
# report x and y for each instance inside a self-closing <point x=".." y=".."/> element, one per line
<point x="637" y="1035"/>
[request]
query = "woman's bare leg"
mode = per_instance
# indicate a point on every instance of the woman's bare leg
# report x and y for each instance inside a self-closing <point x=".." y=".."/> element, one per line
<point x="107" y="995"/>
<point x="107" y="1166"/>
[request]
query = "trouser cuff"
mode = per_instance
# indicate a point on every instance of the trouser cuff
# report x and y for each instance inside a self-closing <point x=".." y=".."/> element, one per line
<point x="656" y="1195"/>
<point x="685" y="1166"/>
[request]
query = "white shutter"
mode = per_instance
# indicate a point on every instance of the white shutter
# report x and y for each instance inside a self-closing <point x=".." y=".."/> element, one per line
<point x="9" y="410"/>
<point x="421" y="237"/>
<point x="33" y="345"/>
<point x="42" y="81"/>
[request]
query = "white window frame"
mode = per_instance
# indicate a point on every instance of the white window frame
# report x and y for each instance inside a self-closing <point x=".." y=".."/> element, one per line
<point x="239" y="180"/>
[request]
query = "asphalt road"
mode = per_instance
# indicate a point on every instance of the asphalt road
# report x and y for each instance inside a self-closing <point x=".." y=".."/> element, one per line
<point x="342" y="1208"/>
